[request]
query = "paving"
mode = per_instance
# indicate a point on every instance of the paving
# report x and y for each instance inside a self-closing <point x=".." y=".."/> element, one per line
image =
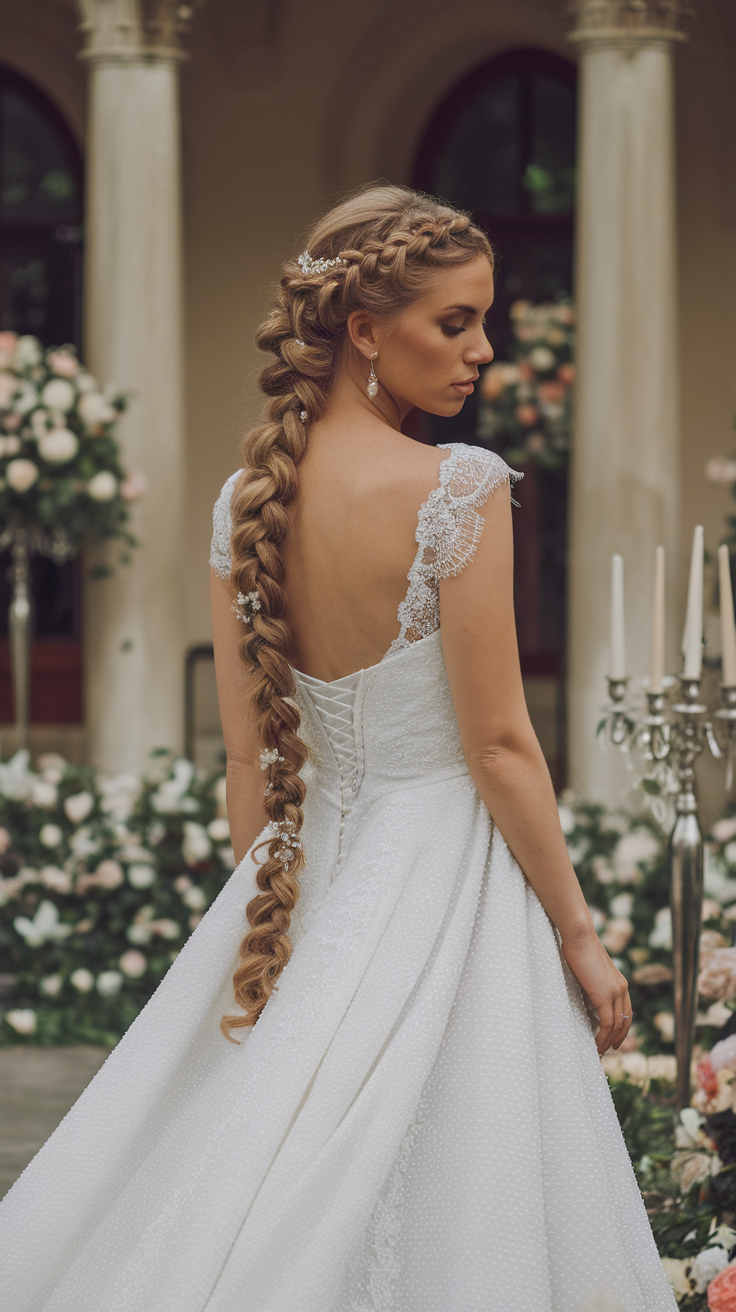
<point x="37" y="1088"/>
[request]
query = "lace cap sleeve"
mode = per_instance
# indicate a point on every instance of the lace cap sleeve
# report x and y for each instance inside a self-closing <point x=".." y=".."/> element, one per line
<point x="222" y="527"/>
<point x="453" y="527"/>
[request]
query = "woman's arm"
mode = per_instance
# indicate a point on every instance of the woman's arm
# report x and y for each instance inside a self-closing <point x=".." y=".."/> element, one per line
<point x="506" y="761"/>
<point x="245" y="779"/>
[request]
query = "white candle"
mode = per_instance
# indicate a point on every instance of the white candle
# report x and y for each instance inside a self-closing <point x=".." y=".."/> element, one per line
<point x="692" y="638"/>
<point x="656" y="663"/>
<point x="617" y="667"/>
<point x="728" y="627"/>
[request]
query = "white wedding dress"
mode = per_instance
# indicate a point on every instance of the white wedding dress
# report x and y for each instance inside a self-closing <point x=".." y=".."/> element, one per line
<point x="419" y="1122"/>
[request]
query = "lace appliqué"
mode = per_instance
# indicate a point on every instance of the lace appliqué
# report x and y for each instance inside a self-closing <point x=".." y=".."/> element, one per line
<point x="448" y="531"/>
<point x="222" y="527"/>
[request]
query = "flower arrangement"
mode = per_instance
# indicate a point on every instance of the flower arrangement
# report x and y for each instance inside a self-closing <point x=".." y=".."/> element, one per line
<point x="101" y="882"/>
<point x="525" y="405"/>
<point x="61" y="478"/>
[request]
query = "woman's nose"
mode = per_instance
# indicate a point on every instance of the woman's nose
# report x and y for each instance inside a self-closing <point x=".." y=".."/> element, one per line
<point x="482" y="352"/>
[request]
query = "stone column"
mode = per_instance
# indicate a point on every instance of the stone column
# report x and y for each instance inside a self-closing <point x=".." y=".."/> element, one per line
<point x="625" y="472"/>
<point x="133" y="339"/>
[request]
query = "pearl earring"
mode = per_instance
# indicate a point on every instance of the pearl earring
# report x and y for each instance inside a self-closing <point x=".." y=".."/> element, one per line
<point x="372" y="388"/>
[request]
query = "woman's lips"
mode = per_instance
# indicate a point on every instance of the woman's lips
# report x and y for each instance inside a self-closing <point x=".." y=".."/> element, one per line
<point x="464" y="389"/>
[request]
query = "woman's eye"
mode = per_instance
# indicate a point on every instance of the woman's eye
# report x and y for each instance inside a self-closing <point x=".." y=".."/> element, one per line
<point x="450" y="331"/>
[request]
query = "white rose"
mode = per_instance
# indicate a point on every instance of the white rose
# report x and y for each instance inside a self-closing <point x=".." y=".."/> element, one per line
<point x="78" y="807"/>
<point x="94" y="409"/>
<point x="51" y="986"/>
<point x="21" y="474"/>
<point x="133" y="963"/>
<point x="541" y="358"/>
<point x="56" y="879"/>
<point x="109" y="982"/>
<point x="141" y="876"/>
<point x="706" y="1265"/>
<point x="82" y="980"/>
<point x="661" y="935"/>
<point x="50" y="835"/>
<point x="26" y="399"/>
<point x="23" y="1021"/>
<point x="58" y="445"/>
<point x="196" y="846"/>
<point x="622" y="904"/>
<point x="103" y="486"/>
<point x="8" y="384"/>
<point x="28" y="351"/>
<point x="219" y="829"/>
<point x="194" y="898"/>
<point x="9" y="446"/>
<point x="39" y="422"/>
<point x="58" y="394"/>
<point x="86" y="382"/>
<point x="43" y="793"/>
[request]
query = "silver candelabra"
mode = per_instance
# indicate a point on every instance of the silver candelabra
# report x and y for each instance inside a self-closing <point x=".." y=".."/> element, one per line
<point x="670" y="737"/>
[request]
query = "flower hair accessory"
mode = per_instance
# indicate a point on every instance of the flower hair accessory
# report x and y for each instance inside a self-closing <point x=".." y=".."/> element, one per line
<point x="245" y="606"/>
<point x="309" y="266"/>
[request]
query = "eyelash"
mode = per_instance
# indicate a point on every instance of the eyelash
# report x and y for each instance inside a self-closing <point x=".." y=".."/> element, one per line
<point x="449" y="331"/>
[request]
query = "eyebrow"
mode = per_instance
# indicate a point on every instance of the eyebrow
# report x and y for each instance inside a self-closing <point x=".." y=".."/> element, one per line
<point x="467" y="309"/>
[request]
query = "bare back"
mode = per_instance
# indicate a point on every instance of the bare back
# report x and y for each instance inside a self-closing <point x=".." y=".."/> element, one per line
<point x="351" y="546"/>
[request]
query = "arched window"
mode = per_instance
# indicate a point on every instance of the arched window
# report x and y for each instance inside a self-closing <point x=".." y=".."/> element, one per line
<point x="41" y="207"/>
<point x="502" y="144"/>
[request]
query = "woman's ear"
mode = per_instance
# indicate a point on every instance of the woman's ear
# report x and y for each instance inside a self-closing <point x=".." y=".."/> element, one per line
<point x="360" y="332"/>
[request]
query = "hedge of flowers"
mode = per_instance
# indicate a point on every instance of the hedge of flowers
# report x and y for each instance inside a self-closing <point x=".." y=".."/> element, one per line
<point x="525" y="405"/>
<point x="61" y="477"/>
<point x="101" y="882"/>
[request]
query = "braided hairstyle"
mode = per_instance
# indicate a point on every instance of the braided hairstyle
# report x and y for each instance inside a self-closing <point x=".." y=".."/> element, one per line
<point x="385" y="241"/>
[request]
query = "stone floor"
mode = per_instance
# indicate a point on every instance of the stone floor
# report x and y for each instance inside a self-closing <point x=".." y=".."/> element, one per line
<point x="37" y="1088"/>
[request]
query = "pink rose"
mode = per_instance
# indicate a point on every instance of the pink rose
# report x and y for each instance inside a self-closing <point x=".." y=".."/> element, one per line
<point x="109" y="874"/>
<point x="551" y="392"/>
<point x="566" y="374"/>
<point x="12" y="422"/>
<point x="134" y="486"/>
<point x="64" y="363"/>
<point x="527" y="414"/>
<point x="8" y="342"/>
<point x="722" y="1290"/>
<point x="717" y="978"/>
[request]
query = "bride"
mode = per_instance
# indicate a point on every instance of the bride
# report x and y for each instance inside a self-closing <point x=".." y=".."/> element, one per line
<point x="395" y="1102"/>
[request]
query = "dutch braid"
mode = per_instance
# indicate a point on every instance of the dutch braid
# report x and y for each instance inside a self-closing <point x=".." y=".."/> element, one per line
<point x="387" y="240"/>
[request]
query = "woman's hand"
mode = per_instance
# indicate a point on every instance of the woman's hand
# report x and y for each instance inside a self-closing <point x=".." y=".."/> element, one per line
<point x="605" y="986"/>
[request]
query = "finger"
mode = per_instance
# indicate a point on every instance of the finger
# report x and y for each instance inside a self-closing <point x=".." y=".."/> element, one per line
<point x="625" y="1020"/>
<point x="603" y="1037"/>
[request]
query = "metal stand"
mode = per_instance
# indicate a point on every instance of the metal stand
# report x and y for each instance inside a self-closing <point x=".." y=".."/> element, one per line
<point x="670" y="738"/>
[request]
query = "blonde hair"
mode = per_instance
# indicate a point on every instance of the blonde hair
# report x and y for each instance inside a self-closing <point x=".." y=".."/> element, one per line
<point x="387" y="240"/>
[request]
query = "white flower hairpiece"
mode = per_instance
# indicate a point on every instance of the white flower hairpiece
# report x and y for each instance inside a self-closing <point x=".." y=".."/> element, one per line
<point x="245" y="607"/>
<point x="309" y="266"/>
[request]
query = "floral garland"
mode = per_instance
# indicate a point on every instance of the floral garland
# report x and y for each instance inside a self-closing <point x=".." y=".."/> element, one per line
<point x="61" y="478"/>
<point x="525" y="405"/>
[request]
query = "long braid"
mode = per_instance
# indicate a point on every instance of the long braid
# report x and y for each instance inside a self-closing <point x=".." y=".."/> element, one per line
<point x="387" y="240"/>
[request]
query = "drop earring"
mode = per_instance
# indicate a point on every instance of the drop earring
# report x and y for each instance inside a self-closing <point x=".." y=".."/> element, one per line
<point x="372" y="388"/>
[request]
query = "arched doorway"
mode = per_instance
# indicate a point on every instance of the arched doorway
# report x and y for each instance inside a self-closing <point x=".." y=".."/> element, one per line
<point x="502" y="145"/>
<point x="41" y="208"/>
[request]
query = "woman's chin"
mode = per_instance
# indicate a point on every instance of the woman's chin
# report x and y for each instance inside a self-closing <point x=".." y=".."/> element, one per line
<point x="446" y="408"/>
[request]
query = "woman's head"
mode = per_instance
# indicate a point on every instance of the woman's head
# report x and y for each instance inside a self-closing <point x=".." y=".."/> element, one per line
<point x="388" y="267"/>
<point x="389" y="271"/>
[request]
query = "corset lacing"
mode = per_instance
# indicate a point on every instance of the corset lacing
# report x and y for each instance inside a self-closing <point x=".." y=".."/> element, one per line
<point x="335" y="703"/>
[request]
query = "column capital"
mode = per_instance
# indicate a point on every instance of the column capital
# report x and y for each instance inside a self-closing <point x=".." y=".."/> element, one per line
<point x="631" y="24"/>
<point x="131" y="31"/>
